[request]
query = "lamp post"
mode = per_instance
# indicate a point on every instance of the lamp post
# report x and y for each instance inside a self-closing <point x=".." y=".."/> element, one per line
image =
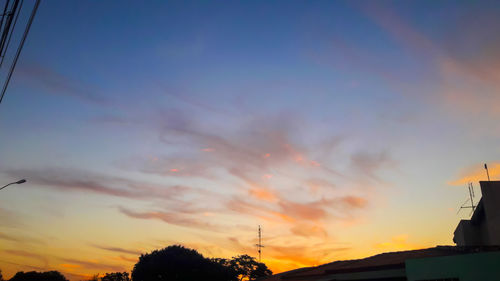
<point x="16" y="182"/>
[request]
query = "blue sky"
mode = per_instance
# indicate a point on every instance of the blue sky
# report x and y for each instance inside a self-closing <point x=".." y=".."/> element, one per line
<point x="344" y="128"/>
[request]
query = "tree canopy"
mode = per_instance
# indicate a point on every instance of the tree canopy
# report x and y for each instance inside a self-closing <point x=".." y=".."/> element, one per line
<point x="247" y="268"/>
<point x="116" y="276"/>
<point x="176" y="263"/>
<point x="39" y="276"/>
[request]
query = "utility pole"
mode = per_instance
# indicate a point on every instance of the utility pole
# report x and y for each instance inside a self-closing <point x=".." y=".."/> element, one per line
<point x="259" y="245"/>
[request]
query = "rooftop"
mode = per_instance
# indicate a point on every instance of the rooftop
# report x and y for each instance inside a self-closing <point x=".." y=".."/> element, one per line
<point x="392" y="260"/>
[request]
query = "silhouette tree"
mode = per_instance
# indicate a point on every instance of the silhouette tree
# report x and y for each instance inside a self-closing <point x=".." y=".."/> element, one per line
<point x="1" y="276"/>
<point x="176" y="263"/>
<point x="116" y="276"/>
<point x="38" y="276"/>
<point x="247" y="268"/>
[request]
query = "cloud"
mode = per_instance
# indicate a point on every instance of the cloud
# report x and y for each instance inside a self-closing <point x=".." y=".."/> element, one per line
<point x="246" y="153"/>
<point x="391" y="21"/>
<point x="476" y="173"/>
<point x="118" y="250"/>
<point x="43" y="77"/>
<point x="306" y="229"/>
<point x="367" y="164"/>
<point x="19" y="239"/>
<point x="127" y="259"/>
<point x="303" y="219"/>
<point x="9" y="238"/>
<point x="303" y="211"/>
<point x="72" y="180"/>
<point x="317" y="184"/>
<point x="10" y="219"/>
<point x="262" y="194"/>
<point x="464" y="60"/>
<point x="31" y="255"/>
<point x="70" y="266"/>
<point x="94" y="265"/>
<point x="173" y="166"/>
<point x="171" y="218"/>
<point x="186" y="205"/>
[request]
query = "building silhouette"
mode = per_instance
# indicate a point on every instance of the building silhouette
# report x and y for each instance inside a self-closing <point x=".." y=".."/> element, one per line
<point x="476" y="257"/>
<point x="484" y="226"/>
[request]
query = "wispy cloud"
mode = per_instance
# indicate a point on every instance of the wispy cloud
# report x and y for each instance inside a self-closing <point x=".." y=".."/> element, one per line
<point x="368" y="164"/>
<point x="56" y="83"/>
<point x="464" y="60"/>
<point x="19" y="239"/>
<point x="9" y="237"/>
<point x="94" y="265"/>
<point x="21" y="253"/>
<point x="175" y="218"/>
<point x="117" y="250"/>
<point x="73" y="180"/>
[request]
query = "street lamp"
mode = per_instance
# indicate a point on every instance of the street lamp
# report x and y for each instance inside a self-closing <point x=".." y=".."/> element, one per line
<point x="16" y="182"/>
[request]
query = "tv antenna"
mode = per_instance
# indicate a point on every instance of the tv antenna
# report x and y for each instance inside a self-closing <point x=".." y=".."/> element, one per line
<point x="471" y="199"/>
<point x="259" y="245"/>
<point x="487" y="173"/>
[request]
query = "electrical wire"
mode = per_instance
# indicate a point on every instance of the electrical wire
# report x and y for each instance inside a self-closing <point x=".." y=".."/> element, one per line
<point x="8" y="22"/>
<point x="2" y="55"/>
<point x="4" y="12"/>
<point x="19" y="49"/>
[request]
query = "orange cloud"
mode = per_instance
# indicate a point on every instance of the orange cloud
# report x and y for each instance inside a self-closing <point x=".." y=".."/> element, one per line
<point x="262" y="194"/>
<point x="124" y="258"/>
<point x="354" y="201"/>
<point x="308" y="230"/>
<point x="283" y="216"/>
<point x="93" y="265"/>
<point x="477" y="173"/>
<point x="70" y="266"/>
<point x="308" y="211"/>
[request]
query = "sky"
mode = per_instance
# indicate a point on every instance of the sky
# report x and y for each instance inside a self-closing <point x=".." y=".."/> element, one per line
<point x="343" y="128"/>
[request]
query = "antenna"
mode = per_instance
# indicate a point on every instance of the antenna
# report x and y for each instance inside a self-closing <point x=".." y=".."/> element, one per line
<point x="487" y="173"/>
<point x="259" y="245"/>
<point x="471" y="194"/>
<point x="471" y="199"/>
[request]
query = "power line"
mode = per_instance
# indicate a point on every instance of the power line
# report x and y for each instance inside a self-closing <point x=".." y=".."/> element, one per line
<point x="4" y="12"/>
<point x="4" y="50"/>
<point x="8" y="22"/>
<point x="18" y="52"/>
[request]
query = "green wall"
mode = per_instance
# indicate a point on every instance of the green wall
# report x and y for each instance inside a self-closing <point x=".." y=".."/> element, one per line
<point x="470" y="267"/>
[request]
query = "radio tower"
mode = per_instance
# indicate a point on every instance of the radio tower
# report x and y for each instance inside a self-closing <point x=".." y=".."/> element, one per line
<point x="259" y="245"/>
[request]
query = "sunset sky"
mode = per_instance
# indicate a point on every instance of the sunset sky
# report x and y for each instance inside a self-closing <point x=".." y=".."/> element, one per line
<point x="343" y="128"/>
